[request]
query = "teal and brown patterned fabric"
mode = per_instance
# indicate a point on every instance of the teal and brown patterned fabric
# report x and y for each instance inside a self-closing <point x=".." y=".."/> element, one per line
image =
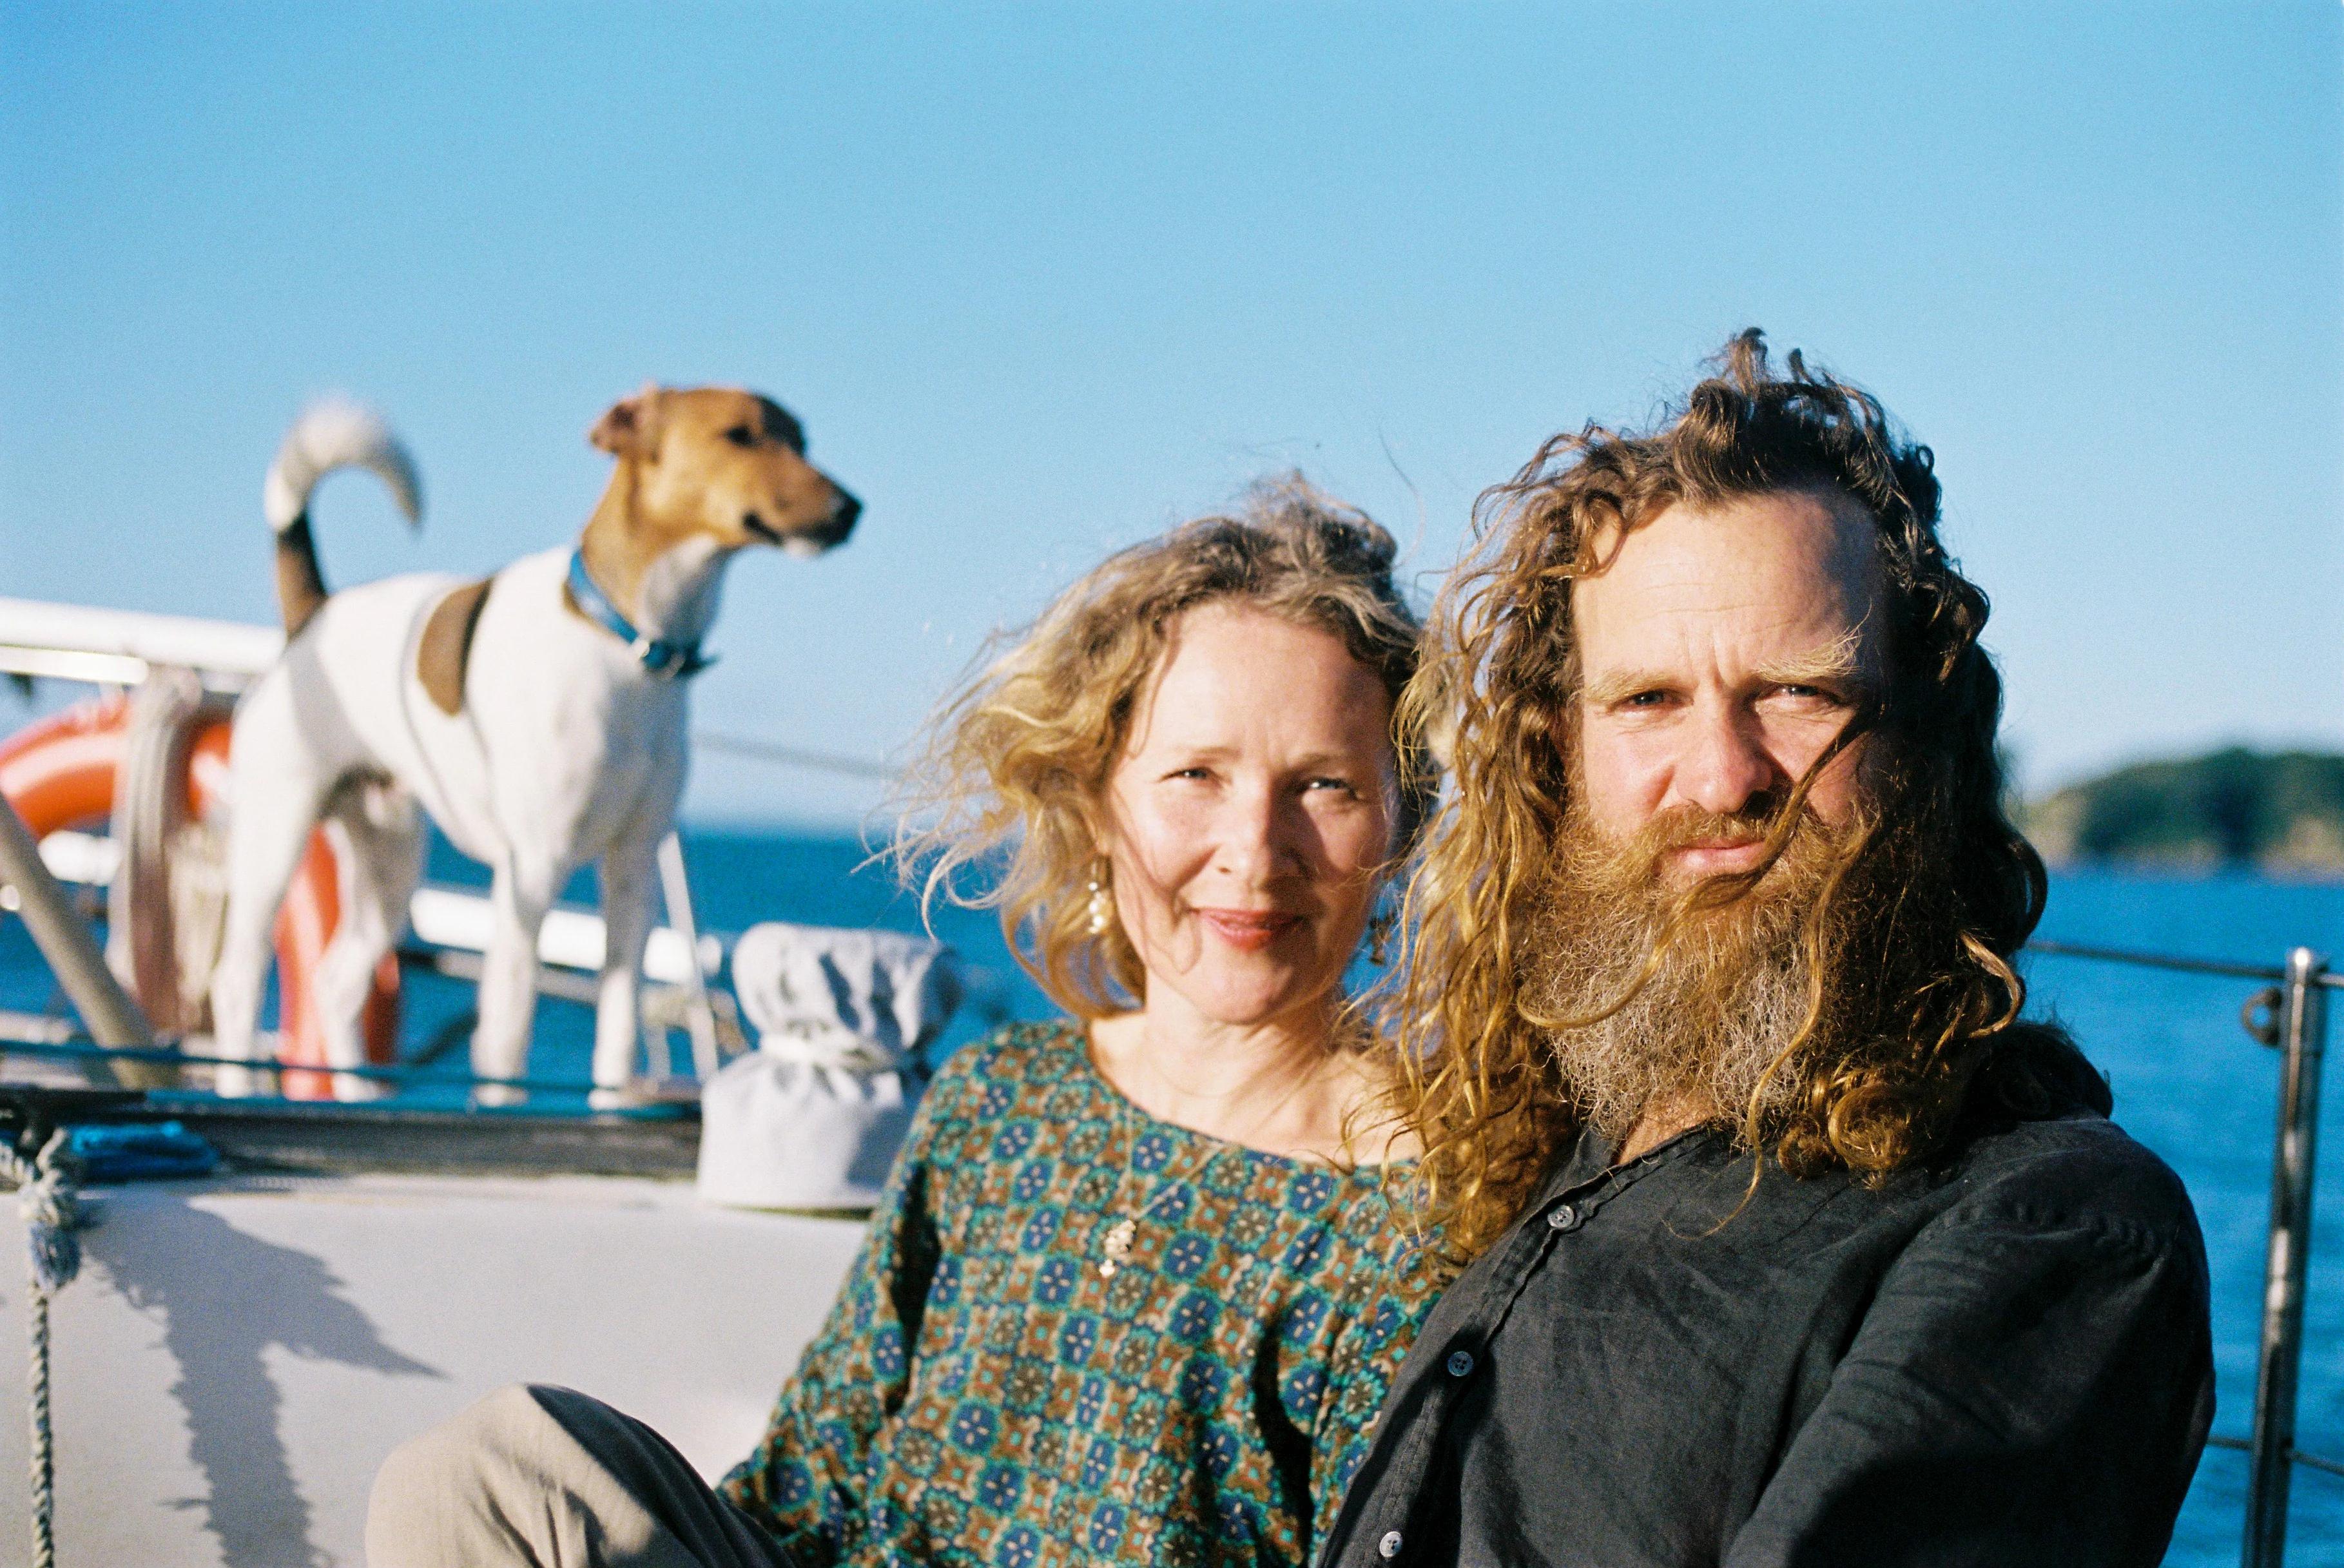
<point x="983" y="1393"/>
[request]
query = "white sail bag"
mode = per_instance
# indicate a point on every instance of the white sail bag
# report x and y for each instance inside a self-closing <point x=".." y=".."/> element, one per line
<point x="814" y="1117"/>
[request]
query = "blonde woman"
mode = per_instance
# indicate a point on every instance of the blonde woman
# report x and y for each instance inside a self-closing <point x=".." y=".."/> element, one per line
<point x="1134" y="1290"/>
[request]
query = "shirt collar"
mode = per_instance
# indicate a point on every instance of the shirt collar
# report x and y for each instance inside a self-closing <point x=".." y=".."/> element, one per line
<point x="1588" y="1160"/>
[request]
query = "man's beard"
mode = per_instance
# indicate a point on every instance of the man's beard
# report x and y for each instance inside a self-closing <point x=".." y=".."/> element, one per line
<point x="1733" y="987"/>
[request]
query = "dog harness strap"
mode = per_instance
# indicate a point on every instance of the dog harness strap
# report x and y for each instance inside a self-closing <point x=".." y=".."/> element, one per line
<point x="674" y="661"/>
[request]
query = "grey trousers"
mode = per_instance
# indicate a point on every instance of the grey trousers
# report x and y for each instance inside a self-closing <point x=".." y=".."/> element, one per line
<point x="548" y="1478"/>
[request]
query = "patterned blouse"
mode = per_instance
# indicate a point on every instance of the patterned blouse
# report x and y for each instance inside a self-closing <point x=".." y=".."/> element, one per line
<point x="985" y="1393"/>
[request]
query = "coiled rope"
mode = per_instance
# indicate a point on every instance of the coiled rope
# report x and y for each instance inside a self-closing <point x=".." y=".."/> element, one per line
<point x="54" y="1215"/>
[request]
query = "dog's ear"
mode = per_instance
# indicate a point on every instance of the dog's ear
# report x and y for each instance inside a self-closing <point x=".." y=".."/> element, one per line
<point x="629" y="427"/>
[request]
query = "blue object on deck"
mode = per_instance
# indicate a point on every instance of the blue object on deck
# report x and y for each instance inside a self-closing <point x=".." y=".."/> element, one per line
<point x="163" y="1151"/>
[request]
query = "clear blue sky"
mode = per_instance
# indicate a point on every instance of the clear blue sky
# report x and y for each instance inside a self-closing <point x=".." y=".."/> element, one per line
<point x="1041" y="280"/>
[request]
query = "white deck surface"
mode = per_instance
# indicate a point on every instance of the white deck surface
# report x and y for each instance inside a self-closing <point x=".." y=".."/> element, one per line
<point x="237" y="1357"/>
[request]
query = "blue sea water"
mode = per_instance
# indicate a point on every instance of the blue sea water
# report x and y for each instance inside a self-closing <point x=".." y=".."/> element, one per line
<point x="2188" y="1081"/>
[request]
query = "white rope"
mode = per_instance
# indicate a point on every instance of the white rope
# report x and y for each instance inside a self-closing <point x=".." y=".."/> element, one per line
<point x="54" y="1215"/>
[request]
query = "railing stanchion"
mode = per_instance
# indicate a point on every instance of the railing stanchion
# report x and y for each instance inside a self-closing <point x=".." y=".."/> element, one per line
<point x="63" y="939"/>
<point x="2303" y="1037"/>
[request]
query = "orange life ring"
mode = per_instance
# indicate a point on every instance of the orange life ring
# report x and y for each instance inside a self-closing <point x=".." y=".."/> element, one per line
<point x="61" y="771"/>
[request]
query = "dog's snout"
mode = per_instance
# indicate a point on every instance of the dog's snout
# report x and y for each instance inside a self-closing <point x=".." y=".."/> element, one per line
<point x="843" y="511"/>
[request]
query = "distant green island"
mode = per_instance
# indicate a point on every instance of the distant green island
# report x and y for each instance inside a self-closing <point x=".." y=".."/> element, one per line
<point x="2274" y="811"/>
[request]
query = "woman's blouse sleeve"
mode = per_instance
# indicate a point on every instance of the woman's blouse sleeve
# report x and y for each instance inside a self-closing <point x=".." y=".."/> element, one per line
<point x="1388" y="1297"/>
<point x="809" y="1476"/>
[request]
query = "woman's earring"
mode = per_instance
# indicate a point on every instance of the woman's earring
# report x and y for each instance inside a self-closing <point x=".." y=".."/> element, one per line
<point x="1380" y="936"/>
<point x="1102" y="908"/>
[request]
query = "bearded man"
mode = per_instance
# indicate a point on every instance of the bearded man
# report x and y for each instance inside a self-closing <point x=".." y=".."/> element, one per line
<point x="1783" y="1239"/>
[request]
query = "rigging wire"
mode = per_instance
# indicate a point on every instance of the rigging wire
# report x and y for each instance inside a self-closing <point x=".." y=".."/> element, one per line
<point x="791" y="756"/>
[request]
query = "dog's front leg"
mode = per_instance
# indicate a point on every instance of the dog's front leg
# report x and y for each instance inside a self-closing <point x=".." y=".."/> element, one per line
<point x="628" y="872"/>
<point x="517" y="900"/>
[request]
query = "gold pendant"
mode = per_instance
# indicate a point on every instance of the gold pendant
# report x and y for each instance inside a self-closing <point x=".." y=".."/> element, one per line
<point x="1119" y="1237"/>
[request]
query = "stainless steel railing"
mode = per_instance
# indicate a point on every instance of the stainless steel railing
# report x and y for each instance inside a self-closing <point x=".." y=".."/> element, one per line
<point x="2289" y="1013"/>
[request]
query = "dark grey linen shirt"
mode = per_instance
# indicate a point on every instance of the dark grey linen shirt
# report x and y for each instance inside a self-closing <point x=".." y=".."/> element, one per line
<point x="2001" y="1360"/>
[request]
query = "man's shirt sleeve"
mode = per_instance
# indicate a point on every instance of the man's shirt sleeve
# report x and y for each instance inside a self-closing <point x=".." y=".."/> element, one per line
<point x="2032" y="1384"/>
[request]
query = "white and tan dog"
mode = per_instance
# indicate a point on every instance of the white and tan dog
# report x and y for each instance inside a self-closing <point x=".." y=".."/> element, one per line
<point x="537" y="714"/>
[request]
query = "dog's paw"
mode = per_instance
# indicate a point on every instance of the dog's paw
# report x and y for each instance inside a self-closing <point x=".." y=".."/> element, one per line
<point x="230" y="1082"/>
<point x="638" y="1094"/>
<point x="624" y="1096"/>
<point x="349" y="1086"/>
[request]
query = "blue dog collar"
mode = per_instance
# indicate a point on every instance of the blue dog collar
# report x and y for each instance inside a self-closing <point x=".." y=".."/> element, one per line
<point x="671" y="661"/>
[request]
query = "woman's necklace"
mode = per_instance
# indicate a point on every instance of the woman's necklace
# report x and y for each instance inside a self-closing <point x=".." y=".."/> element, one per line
<point x="1124" y="1234"/>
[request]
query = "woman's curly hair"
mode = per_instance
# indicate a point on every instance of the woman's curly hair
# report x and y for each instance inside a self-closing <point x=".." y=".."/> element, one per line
<point x="1926" y="999"/>
<point x="1001" y="811"/>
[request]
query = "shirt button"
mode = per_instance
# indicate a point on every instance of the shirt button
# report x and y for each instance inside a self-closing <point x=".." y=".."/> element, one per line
<point x="1390" y="1545"/>
<point x="1460" y="1363"/>
<point x="1565" y="1217"/>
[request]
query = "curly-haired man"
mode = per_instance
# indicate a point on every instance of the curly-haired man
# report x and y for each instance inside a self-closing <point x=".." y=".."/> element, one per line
<point x="1782" y="1239"/>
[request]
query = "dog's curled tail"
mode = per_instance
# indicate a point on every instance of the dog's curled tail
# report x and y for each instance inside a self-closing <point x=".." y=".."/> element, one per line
<point x="329" y="435"/>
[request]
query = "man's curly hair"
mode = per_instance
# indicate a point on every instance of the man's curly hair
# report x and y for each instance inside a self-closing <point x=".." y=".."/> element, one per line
<point x="1926" y="996"/>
